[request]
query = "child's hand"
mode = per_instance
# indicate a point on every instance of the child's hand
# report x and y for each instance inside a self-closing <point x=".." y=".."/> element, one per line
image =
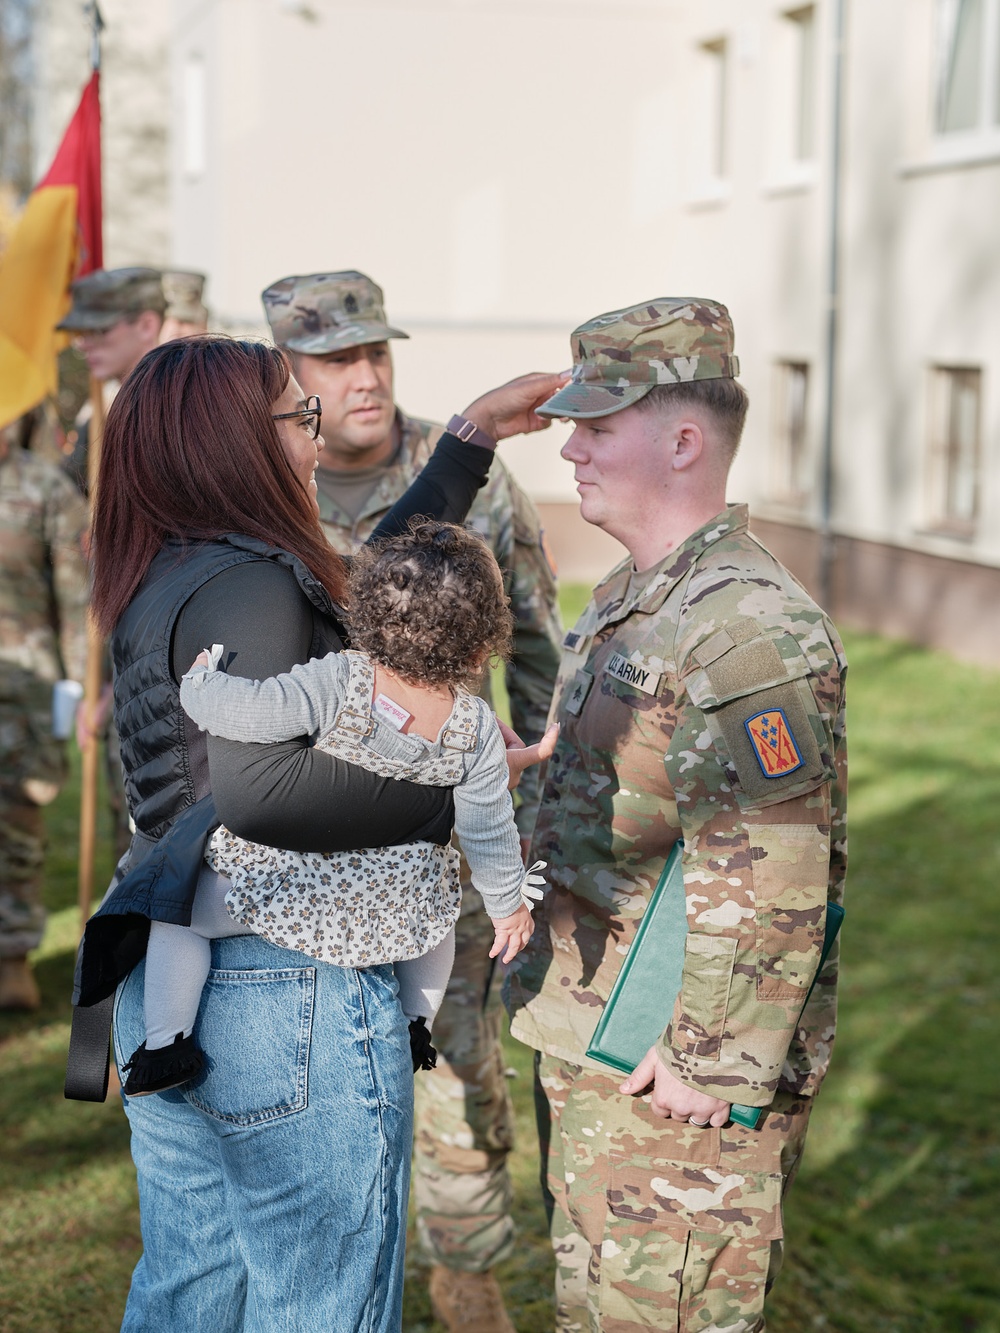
<point x="208" y="657"/>
<point x="512" y="933"/>
<point x="521" y="756"/>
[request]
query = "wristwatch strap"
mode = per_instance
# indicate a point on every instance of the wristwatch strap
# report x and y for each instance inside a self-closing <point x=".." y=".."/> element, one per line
<point x="469" y="433"/>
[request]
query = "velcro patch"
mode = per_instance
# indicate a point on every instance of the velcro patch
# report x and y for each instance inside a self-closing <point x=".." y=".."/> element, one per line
<point x="774" y="743"/>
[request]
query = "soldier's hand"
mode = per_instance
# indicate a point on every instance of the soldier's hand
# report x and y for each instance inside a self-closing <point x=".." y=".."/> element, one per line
<point x="672" y="1099"/>
<point x="512" y="933"/>
<point x="521" y="756"/>
<point x="92" y="721"/>
<point x="510" y="410"/>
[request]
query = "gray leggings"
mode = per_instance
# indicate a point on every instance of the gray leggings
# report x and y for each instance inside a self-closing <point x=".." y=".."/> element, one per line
<point x="178" y="959"/>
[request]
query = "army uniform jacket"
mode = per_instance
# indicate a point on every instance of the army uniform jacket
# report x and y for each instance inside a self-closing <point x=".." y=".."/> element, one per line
<point x="43" y="612"/>
<point x="507" y="520"/>
<point x="701" y="700"/>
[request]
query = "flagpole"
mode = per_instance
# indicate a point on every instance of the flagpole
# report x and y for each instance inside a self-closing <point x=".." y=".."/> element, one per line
<point x="93" y="679"/>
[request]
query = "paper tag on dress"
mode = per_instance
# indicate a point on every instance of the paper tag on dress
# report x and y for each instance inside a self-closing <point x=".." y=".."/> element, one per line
<point x="394" y="713"/>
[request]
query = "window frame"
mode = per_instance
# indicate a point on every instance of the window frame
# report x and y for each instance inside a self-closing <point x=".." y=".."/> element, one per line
<point x="789" y="438"/>
<point x="986" y="126"/>
<point x="944" y="452"/>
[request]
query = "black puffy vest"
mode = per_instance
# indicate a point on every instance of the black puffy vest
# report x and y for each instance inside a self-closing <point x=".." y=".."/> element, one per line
<point x="163" y="752"/>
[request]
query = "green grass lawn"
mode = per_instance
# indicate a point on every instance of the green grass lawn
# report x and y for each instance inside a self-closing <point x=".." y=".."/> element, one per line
<point x="891" y="1217"/>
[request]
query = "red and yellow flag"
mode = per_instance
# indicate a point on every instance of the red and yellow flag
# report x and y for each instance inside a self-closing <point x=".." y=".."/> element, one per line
<point x="58" y="238"/>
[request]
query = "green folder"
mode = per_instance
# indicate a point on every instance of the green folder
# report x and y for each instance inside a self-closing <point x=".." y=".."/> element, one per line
<point x="642" y="999"/>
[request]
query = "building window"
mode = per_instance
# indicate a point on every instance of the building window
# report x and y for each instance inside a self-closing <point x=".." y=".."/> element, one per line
<point x="715" y="64"/>
<point x="955" y="414"/>
<point x="803" y="22"/>
<point x="194" y="125"/>
<point x="968" y="85"/>
<point x="791" y="387"/>
<point x="706" y="142"/>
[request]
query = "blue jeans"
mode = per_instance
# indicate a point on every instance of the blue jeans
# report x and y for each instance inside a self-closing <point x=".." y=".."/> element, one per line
<point x="273" y="1188"/>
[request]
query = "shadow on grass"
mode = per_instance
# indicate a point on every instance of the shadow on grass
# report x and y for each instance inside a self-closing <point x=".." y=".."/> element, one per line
<point x="890" y="1218"/>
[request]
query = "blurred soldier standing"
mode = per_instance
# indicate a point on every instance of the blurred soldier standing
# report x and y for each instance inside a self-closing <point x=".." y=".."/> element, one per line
<point x="43" y="601"/>
<point x="700" y="696"/>
<point x="116" y="317"/>
<point x="186" y="315"/>
<point x="334" y="328"/>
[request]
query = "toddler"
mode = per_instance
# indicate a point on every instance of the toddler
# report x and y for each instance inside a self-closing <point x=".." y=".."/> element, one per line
<point x="427" y="612"/>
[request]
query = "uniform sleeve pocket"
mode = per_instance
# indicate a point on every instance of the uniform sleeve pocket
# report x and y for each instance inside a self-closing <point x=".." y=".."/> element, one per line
<point x="700" y="1013"/>
<point x="790" y="865"/>
<point x="754" y="691"/>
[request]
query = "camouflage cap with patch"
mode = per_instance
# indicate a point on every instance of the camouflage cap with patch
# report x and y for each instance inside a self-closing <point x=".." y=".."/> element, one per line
<point x="620" y="356"/>
<point x="184" y="293"/>
<point x="327" y="312"/>
<point x="103" y="298"/>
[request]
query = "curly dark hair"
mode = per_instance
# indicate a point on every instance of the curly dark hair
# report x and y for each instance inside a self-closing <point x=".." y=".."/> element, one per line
<point x="429" y="604"/>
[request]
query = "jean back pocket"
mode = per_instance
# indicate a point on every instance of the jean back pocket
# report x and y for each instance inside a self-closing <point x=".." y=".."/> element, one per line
<point x="255" y="1027"/>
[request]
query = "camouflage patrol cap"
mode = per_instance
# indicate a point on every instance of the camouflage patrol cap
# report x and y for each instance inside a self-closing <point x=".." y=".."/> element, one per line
<point x="103" y="298"/>
<point x="619" y="357"/>
<point x="327" y="312"/>
<point x="184" y="294"/>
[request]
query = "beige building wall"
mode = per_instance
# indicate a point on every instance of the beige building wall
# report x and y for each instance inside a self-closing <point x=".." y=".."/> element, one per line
<point x="508" y="168"/>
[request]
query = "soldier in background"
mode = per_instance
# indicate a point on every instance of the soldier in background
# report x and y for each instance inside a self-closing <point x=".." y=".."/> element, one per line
<point x="700" y="696"/>
<point x="43" y="601"/>
<point x="116" y="317"/>
<point x="334" y="328"/>
<point x="186" y="315"/>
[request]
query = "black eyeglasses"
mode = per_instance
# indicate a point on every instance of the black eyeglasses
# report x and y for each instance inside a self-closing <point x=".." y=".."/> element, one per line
<point x="313" y="412"/>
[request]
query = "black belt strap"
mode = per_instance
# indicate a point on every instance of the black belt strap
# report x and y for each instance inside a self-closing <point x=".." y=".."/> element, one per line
<point x="89" y="1052"/>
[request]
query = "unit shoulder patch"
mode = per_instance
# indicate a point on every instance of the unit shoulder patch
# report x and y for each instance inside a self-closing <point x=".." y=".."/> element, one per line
<point x="769" y="743"/>
<point x="774" y="743"/>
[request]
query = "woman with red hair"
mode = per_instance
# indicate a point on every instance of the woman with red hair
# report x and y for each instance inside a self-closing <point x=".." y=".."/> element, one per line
<point x="273" y="1188"/>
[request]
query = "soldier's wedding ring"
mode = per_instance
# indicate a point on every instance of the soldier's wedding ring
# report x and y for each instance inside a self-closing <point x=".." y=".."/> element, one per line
<point x="702" y="1124"/>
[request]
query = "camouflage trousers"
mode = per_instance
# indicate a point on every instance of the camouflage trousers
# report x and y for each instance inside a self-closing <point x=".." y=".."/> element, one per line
<point x="463" y="1116"/>
<point x="657" y="1224"/>
<point x="22" y="861"/>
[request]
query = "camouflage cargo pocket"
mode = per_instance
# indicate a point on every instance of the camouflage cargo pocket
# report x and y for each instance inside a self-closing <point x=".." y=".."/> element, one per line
<point x="682" y="1196"/>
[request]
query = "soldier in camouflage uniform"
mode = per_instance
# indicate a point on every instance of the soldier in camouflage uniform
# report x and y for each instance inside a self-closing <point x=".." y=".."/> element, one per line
<point x="700" y="697"/>
<point x="334" y="327"/>
<point x="43" y="599"/>
<point x="116" y="317"/>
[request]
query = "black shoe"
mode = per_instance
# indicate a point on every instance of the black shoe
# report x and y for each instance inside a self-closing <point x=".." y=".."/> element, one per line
<point x="167" y="1067"/>
<point x="424" y="1054"/>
